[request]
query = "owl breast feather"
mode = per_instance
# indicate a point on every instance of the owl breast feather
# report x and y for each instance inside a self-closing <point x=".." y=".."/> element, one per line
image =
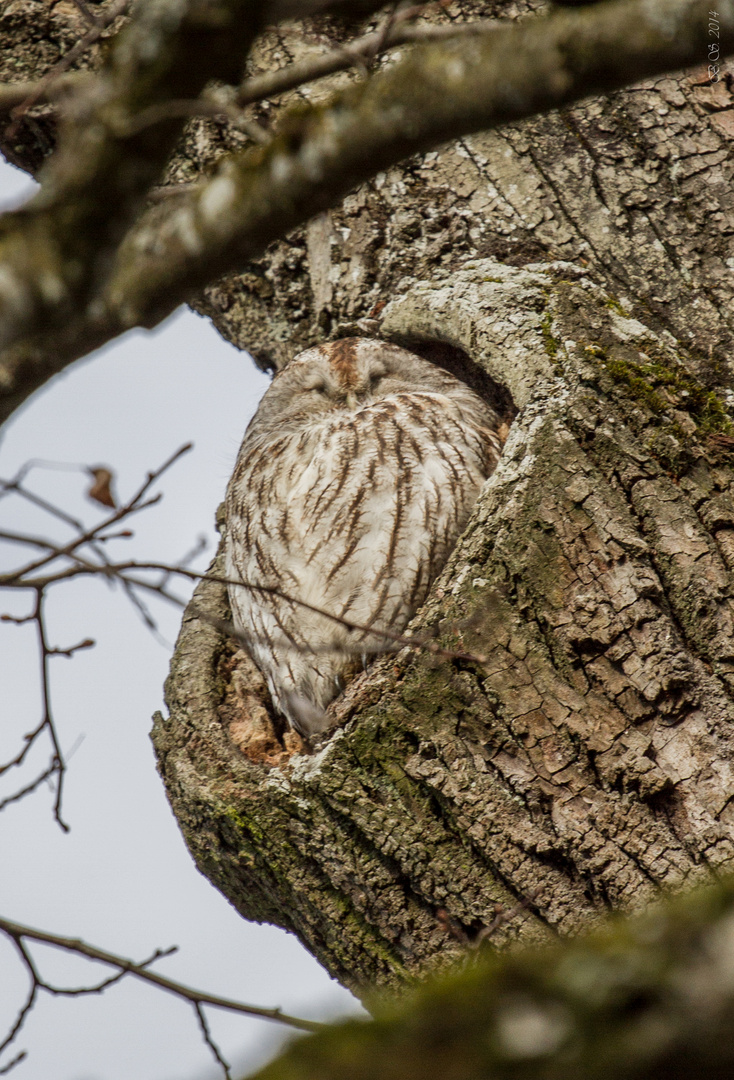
<point x="353" y="514"/>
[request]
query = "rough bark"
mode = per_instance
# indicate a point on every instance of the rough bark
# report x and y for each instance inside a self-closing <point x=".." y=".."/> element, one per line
<point x="77" y="273"/>
<point x="637" y="186"/>
<point x="587" y="764"/>
<point x="583" y="765"/>
<point x="582" y="262"/>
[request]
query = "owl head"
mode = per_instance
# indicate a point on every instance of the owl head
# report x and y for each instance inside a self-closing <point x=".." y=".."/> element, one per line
<point x="349" y="374"/>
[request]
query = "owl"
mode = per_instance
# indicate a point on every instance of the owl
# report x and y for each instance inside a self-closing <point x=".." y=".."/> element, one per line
<point x="354" y="480"/>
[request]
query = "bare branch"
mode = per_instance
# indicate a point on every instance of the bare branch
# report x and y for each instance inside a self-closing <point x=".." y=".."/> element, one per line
<point x="96" y="183"/>
<point x="15" y="1061"/>
<point x="396" y="641"/>
<point x="206" y="1033"/>
<point x="29" y="1001"/>
<point x="57" y="760"/>
<point x="272" y="83"/>
<point x="20" y="933"/>
<point x="133" y="505"/>
<point x="89" y="16"/>
<point x="57" y="765"/>
<point x="269" y="84"/>
<point x="30" y="541"/>
<point x="437" y="92"/>
<point x="13" y="95"/>
<point x="121" y="571"/>
<point x="16" y="486"/>
<point x="47" y="774"/>
<point x="18" y="620"/>
<point x="92" y="538"/>
<point x="87" y="643"/>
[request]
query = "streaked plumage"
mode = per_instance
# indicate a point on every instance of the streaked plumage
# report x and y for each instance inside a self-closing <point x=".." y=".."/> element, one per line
<point x="353" y="482"/>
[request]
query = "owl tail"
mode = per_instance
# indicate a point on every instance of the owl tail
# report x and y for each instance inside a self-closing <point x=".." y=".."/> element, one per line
<point x="304" y="716"/>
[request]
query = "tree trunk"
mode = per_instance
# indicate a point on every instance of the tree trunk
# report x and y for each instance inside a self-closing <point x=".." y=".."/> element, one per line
<point x="581" y="263"/>
<point x="585" y="762"/>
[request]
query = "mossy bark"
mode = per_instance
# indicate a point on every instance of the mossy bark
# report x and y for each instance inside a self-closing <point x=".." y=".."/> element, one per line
<point x="649" y="999"/>
<point x="584" y="763"/>
<point x="581" y="262"/>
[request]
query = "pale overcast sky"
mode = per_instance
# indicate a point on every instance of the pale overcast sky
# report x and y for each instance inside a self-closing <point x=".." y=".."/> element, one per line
<point x="122" y="879"/>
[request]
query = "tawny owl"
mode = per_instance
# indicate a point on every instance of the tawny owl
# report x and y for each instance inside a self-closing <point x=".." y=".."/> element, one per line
<point x="353" y="482"/>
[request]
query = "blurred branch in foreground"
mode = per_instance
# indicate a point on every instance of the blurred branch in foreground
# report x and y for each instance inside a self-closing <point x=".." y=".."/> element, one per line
<point x="649" y="997"/>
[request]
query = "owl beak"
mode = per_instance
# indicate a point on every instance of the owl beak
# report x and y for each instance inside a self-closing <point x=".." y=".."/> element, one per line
<point x="351" y="399"/>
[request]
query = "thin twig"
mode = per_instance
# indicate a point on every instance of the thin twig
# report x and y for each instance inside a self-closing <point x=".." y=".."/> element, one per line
<point x="29" y="739"/>
<point x="7" y="487"/>
<point x="19" y="933"/>
<point x="100" y="987"/>
<point x="57" y="761"/>
<point x="30" y="999"/>
<point x="93" y="538"/>
<point x="13" y="95"/>
<point x="30" y="541"/>
<point x="503" y="916"/>
<point x="272" y="83"/>
<point x="401" y="640"/>
<point x="15" y="1061"/>
<point x="385" y="30"/>
<point x="90" y="17"/>
<point x="121" y="569"/>
<point x="133" y="505"/>
<point x="166" y="191"/>
<point x="181" y="108"/>
<point x="29" y="788"/>
<point x="358" y="52"/>
<point x="210" y="1041"/>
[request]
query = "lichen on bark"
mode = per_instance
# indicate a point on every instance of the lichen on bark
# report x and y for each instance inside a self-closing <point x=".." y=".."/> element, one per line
<point x="569" y="771"/>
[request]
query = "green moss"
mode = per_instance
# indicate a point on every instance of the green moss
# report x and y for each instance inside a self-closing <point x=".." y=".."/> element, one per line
<point x="246" y="828"/>
<point x="426" y="690"/>
<point x="663" y="383"/>
<point x="614" y="305"/>
<point x="550" y="343"/>
<point x="634" y="378"/>
<point x="235" y="819"/>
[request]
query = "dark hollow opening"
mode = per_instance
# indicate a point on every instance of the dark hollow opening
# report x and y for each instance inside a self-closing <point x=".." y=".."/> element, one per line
<point x="458" y="363"/>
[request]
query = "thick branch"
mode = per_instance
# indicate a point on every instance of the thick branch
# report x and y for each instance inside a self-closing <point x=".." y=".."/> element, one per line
<point x="651" y="998"/>
<point x="437" y="92"/>
<point x="56" y="250"/>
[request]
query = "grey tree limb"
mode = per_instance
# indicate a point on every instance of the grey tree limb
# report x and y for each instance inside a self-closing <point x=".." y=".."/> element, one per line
<point x="436" y="92"/>
<point x="54" y="251"/>
<point x="141" y="970"/>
